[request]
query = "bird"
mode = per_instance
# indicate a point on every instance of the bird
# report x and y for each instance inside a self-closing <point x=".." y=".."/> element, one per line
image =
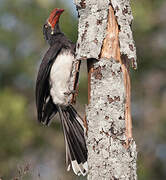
<point x="52" y="92"/>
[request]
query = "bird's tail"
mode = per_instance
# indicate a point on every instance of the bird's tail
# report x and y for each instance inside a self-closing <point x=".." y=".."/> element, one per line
<point x="76" y="151"/>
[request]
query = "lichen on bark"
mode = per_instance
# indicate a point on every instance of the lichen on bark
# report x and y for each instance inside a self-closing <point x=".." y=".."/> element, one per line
<point x="110" y="156"/>
<point x="124" y="18"/>
<point x="93" y="23"/>
<point x="91" y="28"/>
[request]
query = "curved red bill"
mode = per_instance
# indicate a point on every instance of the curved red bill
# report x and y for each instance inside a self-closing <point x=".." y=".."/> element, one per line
<point x="54" y="16"/>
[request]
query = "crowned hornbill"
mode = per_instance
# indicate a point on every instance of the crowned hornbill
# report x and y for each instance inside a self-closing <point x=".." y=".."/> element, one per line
<point x="52" y="91"/>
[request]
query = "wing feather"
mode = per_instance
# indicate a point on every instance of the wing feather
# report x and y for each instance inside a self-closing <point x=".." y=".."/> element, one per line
<point x="42" y="82"/>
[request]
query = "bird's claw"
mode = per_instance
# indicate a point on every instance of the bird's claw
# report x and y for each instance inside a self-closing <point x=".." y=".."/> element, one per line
<point x="70" y="92"/>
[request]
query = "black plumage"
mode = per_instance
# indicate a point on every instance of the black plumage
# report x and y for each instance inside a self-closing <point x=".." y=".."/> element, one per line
<point x="76" y="151"/>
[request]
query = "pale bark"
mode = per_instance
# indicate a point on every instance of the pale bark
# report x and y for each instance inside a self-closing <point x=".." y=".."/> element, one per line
<point x="105" y="40"/>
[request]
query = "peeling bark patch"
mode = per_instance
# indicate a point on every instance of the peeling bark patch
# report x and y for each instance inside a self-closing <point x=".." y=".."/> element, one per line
<point x="83" y="4"/>
<point x="99" y="21"/>
<point x="131" y="47"/>
<point x="106" y="117"/>
<point x="124" y="18"/>
<point x="123" y="143"/>
<point x="119" y="27"/>
<point x="78" y="45"/>
<point x="113" y="99"/>
<point x="125" y="11"/>
<point x="120" y="118"/>
<point x="117" y="98"/>
<point x="104" y="67"/>
<point x="110" y="99"/>
<point x="120" y="70"/>
<point x="86" y="25"/>
<point x="96" y="41"/>
<point x="116" y="8"/>
<point x="83" y="36"/>
<point x="97" y="73"/>
<point x="133" y="63"/>
<point x="113" y="73"/>
<point x="93" y="148"/>
<point x="112" y="130"/>
<point x="103" y="132"/>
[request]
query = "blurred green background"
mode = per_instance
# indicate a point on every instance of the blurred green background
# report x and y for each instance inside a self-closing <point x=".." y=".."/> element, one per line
<point x="29" y="151"/>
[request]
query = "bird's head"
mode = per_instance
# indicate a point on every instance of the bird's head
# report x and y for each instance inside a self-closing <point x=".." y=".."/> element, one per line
<point x="51" y="26"/>
<point x="54" y="17"/>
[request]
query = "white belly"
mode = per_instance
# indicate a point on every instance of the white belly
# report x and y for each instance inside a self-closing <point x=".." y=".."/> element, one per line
<point x="60" y="76"/>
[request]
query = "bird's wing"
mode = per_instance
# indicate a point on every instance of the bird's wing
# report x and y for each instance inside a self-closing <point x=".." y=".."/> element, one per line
<point x="42" y="82"/>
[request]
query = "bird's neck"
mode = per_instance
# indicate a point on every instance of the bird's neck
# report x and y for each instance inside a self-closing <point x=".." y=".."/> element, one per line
<point x="57" y="29"/>
<point x="55" y="36"/>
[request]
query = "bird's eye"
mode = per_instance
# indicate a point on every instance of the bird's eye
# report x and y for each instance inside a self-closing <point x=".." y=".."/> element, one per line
<point x="46" y="26"/>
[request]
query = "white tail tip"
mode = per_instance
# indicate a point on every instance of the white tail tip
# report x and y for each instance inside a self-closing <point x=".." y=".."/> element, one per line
<point x="79" y="169"/>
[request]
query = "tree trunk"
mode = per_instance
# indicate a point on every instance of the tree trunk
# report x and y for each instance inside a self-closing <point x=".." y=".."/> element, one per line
<point x="105" y="40"/>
